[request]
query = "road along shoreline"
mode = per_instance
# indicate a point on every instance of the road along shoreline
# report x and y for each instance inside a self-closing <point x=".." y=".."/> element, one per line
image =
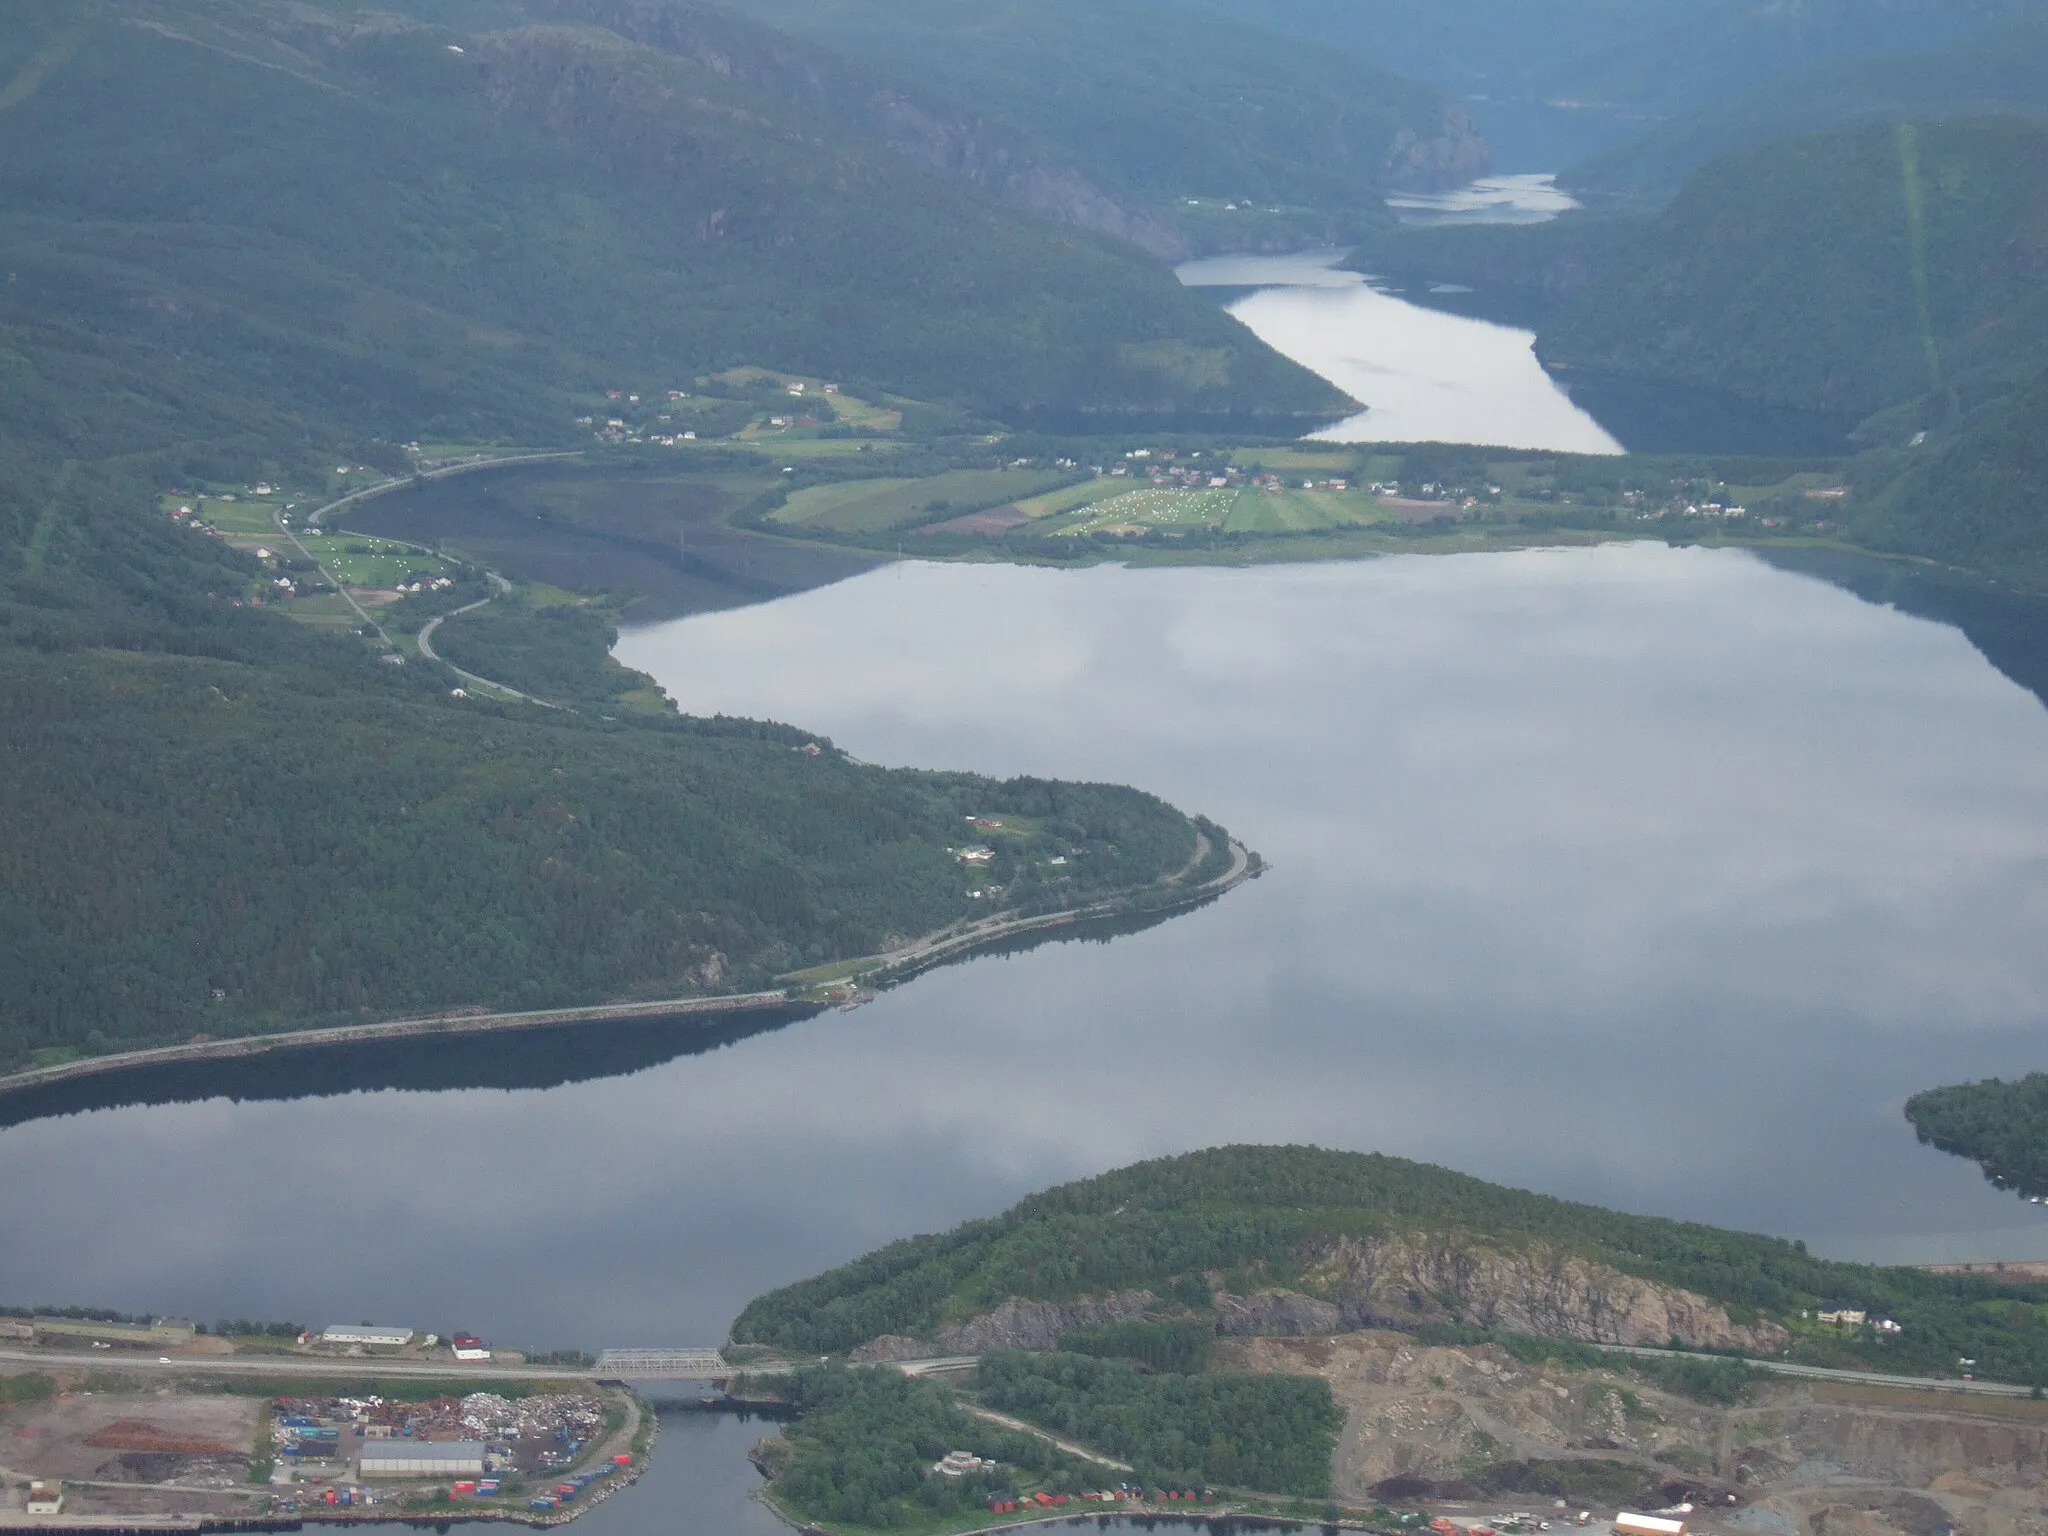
<point x="872" y="971"/>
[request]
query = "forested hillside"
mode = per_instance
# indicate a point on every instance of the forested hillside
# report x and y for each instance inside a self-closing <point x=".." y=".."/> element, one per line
<point x="1975" y="496"/>
<point x="241" y="240"/>
<point x="1161" y="105"/>
<point x="1892" y="266"/>
<point x="449" y="233"/>
<point x="1252" y="1222"/>
<point x="1676" y="59"/>
<point x="2001" y="1126"/>
<point x="1269" y="1432"/>
<point x="210" y="847"/>
<point x="2003" y="70"/>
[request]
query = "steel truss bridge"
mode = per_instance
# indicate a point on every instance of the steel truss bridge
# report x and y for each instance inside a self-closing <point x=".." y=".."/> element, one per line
<point x="676" y="1365"/>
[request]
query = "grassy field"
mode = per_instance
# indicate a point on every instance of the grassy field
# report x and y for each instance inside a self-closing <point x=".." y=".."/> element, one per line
<point x="357" y="560"/>
<point x="1152" y="507"/>
<point x="877" y="506"/>
<point x="323" y="610"/>
<point x="1297" y="511"/>
<point x="1068" y="498"/>
<point x="1336" y="459"/>
<point x="245" y="514"/>
<point x="1233" y="509"/>
<point x="855" y="412"/>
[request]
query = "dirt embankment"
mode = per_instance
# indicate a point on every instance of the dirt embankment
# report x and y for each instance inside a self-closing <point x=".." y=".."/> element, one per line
<point x="1800" y="1459"/>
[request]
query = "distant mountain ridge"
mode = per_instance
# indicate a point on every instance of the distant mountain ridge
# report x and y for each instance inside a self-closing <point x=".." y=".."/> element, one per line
<point x="960" y="144"/>
<point x="1732" y="46"/>
<point x="1158" y="105"/>
<point x="2001" y="70"/>
<point x="1891" y="267"/>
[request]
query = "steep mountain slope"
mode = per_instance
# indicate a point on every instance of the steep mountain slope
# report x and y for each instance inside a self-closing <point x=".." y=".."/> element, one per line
<point x="958" y="142"/>
<point x="2000" y="71"/>
<point x="1501" y="47"/>
<point x="1159" y="105"/>
<point x="445" y="230"/>
<point x="1848" y="273"/>
<point x="1976" y="496"/>
<point x="240" y="239"/>
<point x="1703" y="56"/>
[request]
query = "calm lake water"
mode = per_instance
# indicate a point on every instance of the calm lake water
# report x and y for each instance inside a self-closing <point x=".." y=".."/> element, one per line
<point x="1652" y="877"/>
<point x="1530" y="197"/>
<point x="1423" y="374"/>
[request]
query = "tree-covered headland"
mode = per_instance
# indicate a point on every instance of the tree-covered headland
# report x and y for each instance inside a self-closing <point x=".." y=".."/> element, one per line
<point x="1196" y="1230"/>
<point x="2001" y="1126"/>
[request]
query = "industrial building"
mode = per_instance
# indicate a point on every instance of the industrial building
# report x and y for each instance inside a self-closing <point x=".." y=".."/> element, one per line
<point x="383" y="1338"/>
<point x="423" y="1458"/>
<point x="1626" y="1524"/>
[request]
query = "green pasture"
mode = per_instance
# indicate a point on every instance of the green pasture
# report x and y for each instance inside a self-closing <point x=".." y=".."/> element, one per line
<point x="323" y="610"/>
<point x="1069" y="498"/>
<point x="358" y="561"/>
<point x="1299" y="511"/>
<point x="787" y="449"/>
<point x="1305" y="458"/>
<point x="876" y="506"/>
<point x="853" y="411"/>
<point x="1153" y="507"/>
<point x="245" y="514"/>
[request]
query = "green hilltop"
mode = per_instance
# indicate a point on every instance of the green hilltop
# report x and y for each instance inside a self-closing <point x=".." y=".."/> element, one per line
<point x="1246" y="1221"/>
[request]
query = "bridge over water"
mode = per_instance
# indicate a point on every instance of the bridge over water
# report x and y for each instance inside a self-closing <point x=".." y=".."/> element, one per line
<point x="710" y="1365"/>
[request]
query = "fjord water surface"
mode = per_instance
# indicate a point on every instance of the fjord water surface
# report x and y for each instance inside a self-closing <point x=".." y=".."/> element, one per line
<point x="1646" y="876"/>
<point x="1422" y="374"/>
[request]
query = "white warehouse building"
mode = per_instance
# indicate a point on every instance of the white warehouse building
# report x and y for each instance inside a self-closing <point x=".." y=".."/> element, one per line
<point x="385" y="1338"/>
<point x="423" y="1458"/>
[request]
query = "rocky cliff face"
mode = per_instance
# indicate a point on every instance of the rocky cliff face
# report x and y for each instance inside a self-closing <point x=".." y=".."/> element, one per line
<point x="1400" y="1280"/>
<point x="1408" y="1279"/>
<point x="1422" y="160"/>
<point x="963" y="146"/>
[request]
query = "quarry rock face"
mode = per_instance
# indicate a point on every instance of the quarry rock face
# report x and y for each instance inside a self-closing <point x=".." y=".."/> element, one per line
<point x="1404" y="1278"/>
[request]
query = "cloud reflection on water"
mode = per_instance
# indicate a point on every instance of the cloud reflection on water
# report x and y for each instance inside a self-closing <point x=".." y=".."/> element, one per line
<point x="1647" y="876"/>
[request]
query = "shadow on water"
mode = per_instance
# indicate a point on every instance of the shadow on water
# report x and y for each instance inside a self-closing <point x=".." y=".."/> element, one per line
<point x="2010" y="629"/>
<point x="547" y="1056"/>
<point x="1660" y="416"/>
<point x="658" y="537"/>
<point x="509" y="1059"/>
